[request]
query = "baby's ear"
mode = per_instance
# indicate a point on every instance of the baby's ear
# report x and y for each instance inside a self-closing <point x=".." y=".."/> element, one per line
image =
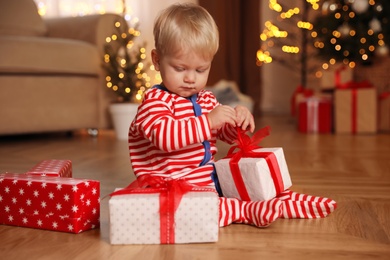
<point x="156" y="59"/>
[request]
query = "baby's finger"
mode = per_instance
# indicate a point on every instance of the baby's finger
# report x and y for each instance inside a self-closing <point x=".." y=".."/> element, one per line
<point x="248" y="124"/>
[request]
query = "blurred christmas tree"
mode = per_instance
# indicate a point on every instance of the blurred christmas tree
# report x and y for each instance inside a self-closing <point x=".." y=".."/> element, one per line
<point x="352" y="31"/>
<point x="286" y="39"/>
<point x="126" y="71"/>
<point x="124" y="62"/>
<point x="347" y="31"/>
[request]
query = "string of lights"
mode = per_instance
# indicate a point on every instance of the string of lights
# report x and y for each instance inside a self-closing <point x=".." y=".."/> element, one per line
<point x="273" y="31"/>
<point x="288" y="35"/>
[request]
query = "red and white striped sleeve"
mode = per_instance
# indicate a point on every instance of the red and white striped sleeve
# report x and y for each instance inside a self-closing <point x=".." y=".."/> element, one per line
<point x="170" y="126"/>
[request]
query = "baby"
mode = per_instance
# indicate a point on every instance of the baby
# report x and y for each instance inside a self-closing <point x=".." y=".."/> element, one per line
<point x="177" y="125"/>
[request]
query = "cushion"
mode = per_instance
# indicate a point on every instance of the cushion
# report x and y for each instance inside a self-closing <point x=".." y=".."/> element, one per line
<point x="20" y="18"/>
<point x="43" y="55"/>
<point x="228" y="93"/>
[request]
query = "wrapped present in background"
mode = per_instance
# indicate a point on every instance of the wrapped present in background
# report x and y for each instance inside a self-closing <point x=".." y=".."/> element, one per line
<point x="299" y="95"/>
<point x="171" y="212"/>
<point x="355" y="108"/>
<point x="59" y="204"/>
<point x="384" y="112"/>
<point x="315" y="115"/>
<point x="336" y="76"/>
<point x="253" y="173"/>
<point x="57" y="168"/>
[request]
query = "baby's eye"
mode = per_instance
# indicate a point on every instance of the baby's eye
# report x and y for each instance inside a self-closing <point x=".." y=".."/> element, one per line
<point x="200" y="70"/>
<point x="179" y="68"/>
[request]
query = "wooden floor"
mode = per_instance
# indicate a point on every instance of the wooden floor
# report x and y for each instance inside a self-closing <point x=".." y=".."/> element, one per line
<point x="353" y="170"/>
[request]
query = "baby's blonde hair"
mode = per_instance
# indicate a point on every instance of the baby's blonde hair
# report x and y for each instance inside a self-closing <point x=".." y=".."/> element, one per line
<point x="187" y="26"/>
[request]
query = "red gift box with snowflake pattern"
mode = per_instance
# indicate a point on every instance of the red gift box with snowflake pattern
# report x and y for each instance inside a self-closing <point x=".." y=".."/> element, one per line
<point x="51" y="203"/>
<point x="54" y="167"/>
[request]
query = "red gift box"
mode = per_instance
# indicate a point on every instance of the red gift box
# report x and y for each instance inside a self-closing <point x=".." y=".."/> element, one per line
<point x="384" y="111"/>
<point x="315" y="115"/>
<point x="57" y="168"/>
<point x="59" y="204"/>
<point x="299" y="94"/>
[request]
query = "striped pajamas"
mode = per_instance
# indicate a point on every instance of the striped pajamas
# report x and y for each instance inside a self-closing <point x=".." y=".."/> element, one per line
<point x="165" y="138"/>
<point x="297" y="205"/>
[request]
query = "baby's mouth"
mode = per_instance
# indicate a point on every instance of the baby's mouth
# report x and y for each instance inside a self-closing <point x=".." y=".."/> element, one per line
<point x="188" y="87"/>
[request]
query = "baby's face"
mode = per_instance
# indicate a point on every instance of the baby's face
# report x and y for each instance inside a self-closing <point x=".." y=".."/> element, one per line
<point x="184" y="73"/>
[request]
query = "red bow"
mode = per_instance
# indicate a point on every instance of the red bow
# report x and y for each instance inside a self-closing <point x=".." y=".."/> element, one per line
<point x="246" y="143"/>
<point x="354" y="85"/>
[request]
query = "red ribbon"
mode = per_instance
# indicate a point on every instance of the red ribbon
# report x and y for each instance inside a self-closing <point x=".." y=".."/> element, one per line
<point x="337" y="77"/>
<point x="354" y="85"/>
<point x="354" y="111"/>
<point x="246" y="146"/>
<point x="171" y="192"/>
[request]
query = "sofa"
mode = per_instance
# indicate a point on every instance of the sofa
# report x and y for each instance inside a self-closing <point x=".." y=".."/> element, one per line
<point x="51" y="75"/>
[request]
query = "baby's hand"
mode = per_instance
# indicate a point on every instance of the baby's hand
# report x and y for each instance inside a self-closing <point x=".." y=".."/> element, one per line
<point x="244" y="118"/>
<point x="222" y="115"/>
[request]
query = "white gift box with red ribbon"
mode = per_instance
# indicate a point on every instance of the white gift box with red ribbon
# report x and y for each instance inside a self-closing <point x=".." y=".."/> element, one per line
<point x="261" y="176"/>
<point x="164" y="215"/>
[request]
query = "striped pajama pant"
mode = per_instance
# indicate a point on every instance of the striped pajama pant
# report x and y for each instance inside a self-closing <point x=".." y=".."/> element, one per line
<point x="288" y="204"/>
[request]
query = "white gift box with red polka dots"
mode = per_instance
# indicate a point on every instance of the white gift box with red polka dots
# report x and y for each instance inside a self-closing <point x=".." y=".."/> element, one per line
<point x="135" y="219"/>
<point x="54" y="167"/>
<point x="52" y="203"/>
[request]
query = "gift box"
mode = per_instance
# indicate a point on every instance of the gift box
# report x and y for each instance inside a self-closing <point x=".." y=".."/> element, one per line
<point x="315" y="115"/>
<point x="337" y="76"/>
<point x="57" y="168"/>
<point x="355" y="109"/>
<point x="259" y="175"/>
<point x="384" y="112"/>
<point x="299" y="95"/>
<point x="172" y="213"/>
<point x="52" y="203"/>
